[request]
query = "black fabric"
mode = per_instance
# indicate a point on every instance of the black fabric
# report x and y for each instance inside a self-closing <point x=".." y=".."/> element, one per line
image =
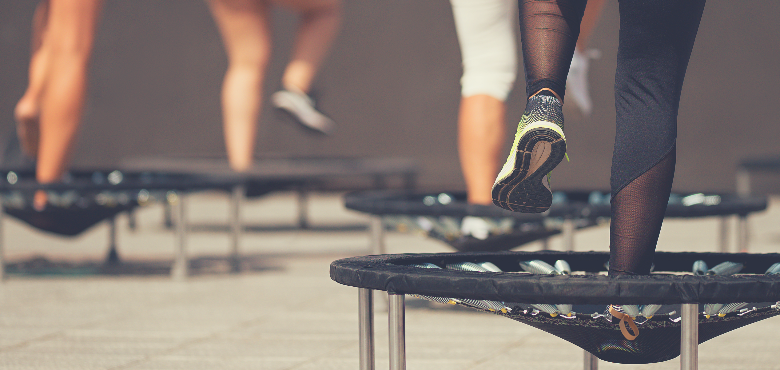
<point x="549" y="32"/>
<point x="655" y="44"/>
<point x="637" y="214"/>
<point x="69" y="221"/>
<point x="576" y="206"/>
<point x="391" y="273"/>
<point x="658" y="339"/>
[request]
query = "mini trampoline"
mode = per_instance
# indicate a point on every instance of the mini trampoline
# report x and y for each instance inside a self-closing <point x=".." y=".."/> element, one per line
<point x="88" y="197"/>
<point x="570" y="210"/>
<point x="570" y="302"/>
<point x="301" y="174"/>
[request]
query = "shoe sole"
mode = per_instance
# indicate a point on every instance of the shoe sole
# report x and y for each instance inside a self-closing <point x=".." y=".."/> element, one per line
<point x="539" y="151"/>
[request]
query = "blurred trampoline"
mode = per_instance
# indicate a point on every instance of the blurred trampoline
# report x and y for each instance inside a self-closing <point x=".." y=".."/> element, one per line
<point x="86" y="198"/>
<point x="300" y="174"/>
<point x="440" y="215"/>
<point x="569" y="295"/>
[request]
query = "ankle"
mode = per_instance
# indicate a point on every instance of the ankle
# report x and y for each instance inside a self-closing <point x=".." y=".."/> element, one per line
<point x="547" y="92"/>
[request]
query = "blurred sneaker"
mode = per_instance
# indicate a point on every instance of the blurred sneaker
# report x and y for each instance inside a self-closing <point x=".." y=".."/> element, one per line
<point x="538" y="148"/>
<point x="301" y="107"/>
<point x="577" y="81"/>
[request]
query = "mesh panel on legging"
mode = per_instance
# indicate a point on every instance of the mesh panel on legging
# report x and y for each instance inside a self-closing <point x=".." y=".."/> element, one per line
<point x="637" y="214"/>
<point x="549" y="31"/>
<point x="655" y="44"/>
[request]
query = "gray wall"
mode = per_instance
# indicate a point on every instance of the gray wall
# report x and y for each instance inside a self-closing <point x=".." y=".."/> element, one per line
<point x="391" y="83"/>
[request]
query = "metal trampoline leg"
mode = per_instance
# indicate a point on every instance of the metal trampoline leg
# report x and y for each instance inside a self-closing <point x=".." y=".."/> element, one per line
<point x="742" y="233"/>
<point x="724" y="234"/>
<point x="113" y="255"/>
<point x="397" y="331"/>
<point x="591" y="362"/>
<point x="568" y="235"/>
<point x="366" y="328"/>
<point x="689" y="338"/>
<point x="303" y="208"/>
<point x="377" y="236"/>
<point x="236" y="227"/>
<point x="180" y="269"/>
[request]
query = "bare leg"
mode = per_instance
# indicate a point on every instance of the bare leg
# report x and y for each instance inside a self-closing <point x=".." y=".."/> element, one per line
<point x="589" y="20"/>
<point x="27" y="110"/>
<point x="481" y="135"/>
<point x="320" y="23"/>
<point x="245" y="30"/>
<point x="66" y="48"/>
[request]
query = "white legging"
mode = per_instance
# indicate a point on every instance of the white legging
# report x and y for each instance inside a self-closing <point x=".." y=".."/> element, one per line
<point x="486" y="33"/>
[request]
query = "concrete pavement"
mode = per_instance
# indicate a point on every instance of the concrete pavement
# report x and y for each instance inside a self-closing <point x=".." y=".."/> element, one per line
<point x="61" y="309"/>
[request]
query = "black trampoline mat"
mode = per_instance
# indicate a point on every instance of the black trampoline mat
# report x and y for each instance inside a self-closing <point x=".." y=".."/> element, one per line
<point x="566" y="204"/>
<point x="277" y="168"/>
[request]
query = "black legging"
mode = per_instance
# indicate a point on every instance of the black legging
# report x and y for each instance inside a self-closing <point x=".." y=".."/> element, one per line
<point x="656" y="39"/>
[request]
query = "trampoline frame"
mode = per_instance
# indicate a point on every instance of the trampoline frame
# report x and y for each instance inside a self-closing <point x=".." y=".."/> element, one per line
<point x="180" y="265"/>
<point x="389" y="273"/>
<point x="396" y="313"/>
<point x="568" y="228"/>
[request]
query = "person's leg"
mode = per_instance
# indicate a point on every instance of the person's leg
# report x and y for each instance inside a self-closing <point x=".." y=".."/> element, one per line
<point x="481" y="135"/>
<point x="320" y="21"/>
<point x="656" y="40"/>
<point x="67" y="47"/>
<point x="27" y="110"/>
<point x="486" y="35"/>
<point x="245" y="29"/>
<point x="589" y="19"/>
<point x="549" y="31"/>
<point x="577" y="80"/>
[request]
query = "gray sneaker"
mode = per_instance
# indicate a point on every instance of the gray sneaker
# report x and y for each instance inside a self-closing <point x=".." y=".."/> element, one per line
<point x="301" y="107"/>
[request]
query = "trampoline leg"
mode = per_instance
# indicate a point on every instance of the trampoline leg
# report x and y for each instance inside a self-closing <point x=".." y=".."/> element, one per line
<point x="377" y="236"/>
<point x="303" y="208"/>
<point x="568" y="235"/>
<point x="366" y="328"/>
<point x="689" y="339"/>
<point x="742" y="233"/>
<point x="113" y="255"/>
<point x="180" y="268"/>
<point x="235" y="226"/>
<point x="591" y="362"/>
<point x="724" y="234"/>
<point x="131" y="220"/>
<point x="396" y="328"/>
<point x="167" y="216"/>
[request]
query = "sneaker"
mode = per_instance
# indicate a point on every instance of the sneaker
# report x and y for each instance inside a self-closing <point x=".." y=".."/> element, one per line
<point x="577" y="80"/>
<point x="301" y="107"/>
<point x="538" y="147"/>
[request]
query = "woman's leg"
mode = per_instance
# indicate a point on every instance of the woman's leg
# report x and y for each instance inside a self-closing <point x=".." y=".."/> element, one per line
<point x="245" y="29"/>
<point x="549" y="30"/>
<point x="66" y="48"/>
<point x="27" y="110"/>
<point x="656" y="40"/>
<point x="486" y="35"/>
<point x="320" y="23"/>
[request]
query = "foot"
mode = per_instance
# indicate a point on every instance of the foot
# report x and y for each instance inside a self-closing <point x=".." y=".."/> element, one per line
<point x="301" y="107"/>
<point x="538" y="147"/>
<point x="27" y="127"/>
